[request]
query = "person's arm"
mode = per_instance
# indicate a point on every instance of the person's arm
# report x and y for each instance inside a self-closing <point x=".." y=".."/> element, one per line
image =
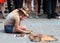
<point x="17" y="25"/>
<point x="33" y="34"/>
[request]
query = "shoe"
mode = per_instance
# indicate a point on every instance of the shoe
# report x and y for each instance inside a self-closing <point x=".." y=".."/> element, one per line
<point x="30" y="16"/>
<point x="37" y="16"/>
<point x="56" y="14"/>
<point x="49" y="16"/>
<point x="45" y="12"/>
<point x="3" y="17"/>
<point x="53" y="16"/>
<point x="58" y="17"/>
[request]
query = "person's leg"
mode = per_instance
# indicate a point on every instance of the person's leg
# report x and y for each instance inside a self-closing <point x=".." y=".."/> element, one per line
<point x="25" y="2"/>
<point x="3" y="9"/>
<point x="54" y="2"/>
<point x="29" y="4"/>
<point x="18" y="3"/>
<point x="59" y="1"/>
<point x="49" y="8"/>
<point x="54" y="5"/>
<point x="15" y="3"/>
<point x="44" y="7"/>
<point x="39" y="4"/>
<point x="59" y="6"/>
<point x="36" y="8"/>
<point x="9" y="5"/>
<point x="36" y="5"/>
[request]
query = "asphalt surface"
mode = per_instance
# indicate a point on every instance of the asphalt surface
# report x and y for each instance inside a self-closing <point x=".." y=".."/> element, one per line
<point x="38" y="26"/>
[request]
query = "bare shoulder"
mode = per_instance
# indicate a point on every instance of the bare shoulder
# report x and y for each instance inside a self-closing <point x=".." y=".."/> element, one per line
<point x="16" y="18"/>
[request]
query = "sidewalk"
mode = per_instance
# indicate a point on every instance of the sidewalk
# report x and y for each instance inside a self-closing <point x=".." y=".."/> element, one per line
<point x="42" y="26"/>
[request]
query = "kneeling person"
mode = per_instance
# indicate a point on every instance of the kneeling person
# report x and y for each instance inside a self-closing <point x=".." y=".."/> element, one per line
<point x="13" y="21"/>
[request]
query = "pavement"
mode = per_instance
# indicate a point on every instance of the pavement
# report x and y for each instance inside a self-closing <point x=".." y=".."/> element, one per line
<point x="39" y="26"/>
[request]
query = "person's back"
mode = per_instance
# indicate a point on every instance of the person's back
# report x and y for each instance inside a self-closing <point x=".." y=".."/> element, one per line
<point x="2" y="8"/>
<point x="9" y="19"/>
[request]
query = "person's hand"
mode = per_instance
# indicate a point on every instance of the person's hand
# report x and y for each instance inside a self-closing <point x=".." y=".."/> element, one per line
<point x="27" y="31"/>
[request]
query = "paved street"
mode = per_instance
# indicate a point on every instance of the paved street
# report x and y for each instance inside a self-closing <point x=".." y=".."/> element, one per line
<point x="41" y="25"/>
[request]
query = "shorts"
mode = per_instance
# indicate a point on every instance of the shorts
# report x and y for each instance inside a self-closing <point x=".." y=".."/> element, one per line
<point x="8" y="28"/>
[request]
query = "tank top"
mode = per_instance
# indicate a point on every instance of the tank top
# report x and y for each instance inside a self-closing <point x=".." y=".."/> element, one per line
<point x="9" y="19"/>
